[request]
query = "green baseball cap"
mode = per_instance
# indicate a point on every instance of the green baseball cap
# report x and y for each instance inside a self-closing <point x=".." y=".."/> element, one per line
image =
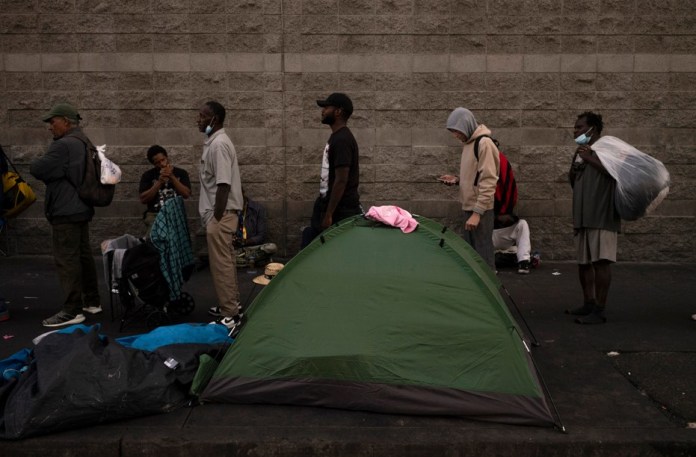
<point x="62" y="110"/>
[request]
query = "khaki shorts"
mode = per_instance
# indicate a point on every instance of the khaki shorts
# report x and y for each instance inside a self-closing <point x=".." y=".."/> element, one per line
<point x="593" y="245"/>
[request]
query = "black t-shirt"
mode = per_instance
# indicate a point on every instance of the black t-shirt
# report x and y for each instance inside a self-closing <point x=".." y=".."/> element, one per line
<point x="166" y="191"/>
<point x="343" y="152"/>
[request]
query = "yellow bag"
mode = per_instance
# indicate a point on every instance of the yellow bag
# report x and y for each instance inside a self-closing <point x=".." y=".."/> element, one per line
<point x="17" y="195"/>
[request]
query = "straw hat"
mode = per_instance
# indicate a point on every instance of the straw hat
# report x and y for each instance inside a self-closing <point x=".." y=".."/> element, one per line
<point x="271" y="270"/>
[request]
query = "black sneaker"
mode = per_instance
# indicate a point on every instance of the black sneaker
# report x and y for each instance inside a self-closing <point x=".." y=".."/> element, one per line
<point x="62" y="319"/>
<point x="523" y="267"/>
<point x="215" y="311"/>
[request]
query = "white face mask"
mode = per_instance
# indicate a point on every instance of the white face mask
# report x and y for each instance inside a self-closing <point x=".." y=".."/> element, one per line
<point x="209" y="128"/>
<point x="584" y="138"/>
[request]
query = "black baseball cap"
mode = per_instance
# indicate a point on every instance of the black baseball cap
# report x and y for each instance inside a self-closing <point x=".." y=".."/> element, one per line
<point x="338" y="100"/>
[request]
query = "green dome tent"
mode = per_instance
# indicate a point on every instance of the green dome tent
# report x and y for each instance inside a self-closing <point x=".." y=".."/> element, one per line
<point x="370" y="318"/>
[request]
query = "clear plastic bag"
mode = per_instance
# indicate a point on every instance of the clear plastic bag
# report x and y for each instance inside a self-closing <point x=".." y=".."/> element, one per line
<point x="110" y="172"/>
<point x="642" y="182"/>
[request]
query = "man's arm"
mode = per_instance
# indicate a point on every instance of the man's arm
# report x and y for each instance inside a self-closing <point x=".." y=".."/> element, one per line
<point x="147" y="194"/>
<point x="53" y="165"/>
<point x="572" y="173"/>
<point x="586" y="153"/>
<point x="339" y="188"/>
<point x="488" y="166"/>
<point x="223" y="192"/>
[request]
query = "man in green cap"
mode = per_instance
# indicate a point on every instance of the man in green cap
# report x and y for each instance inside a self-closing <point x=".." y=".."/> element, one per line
<point x="62" y="169"/>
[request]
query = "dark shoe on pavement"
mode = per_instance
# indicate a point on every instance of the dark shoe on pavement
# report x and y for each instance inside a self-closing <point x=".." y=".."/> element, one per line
<point x="215" y="311"/>
<point x="523" y="267"/>
<point x="595" y="317"/>
<point x="583" y="310"/>
<point x="62" y="319"/>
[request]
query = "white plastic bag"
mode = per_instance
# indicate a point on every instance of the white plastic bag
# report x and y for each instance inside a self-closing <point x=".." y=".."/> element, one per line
<point x="642" y="182"/>
<point x="110" y="172"/>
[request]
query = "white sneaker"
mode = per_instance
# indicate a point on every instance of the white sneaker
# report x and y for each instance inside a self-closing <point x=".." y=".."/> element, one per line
<point x="93" y="309"/>
<point x="233" y="324"/>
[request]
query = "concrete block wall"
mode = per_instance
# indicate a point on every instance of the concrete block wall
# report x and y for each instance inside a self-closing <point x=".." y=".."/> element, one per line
<point x="139" y="70"/>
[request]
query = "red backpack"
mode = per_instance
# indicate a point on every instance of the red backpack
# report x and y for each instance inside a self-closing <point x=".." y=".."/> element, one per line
<point x="506" y="189"/>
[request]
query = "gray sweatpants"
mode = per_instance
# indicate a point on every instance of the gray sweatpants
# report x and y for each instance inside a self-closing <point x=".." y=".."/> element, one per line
<point x="481" y="239"/>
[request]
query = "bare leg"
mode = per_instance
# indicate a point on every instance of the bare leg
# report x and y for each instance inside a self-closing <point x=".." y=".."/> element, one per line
<point x="602" y="279"/>
<point x="587" y="281"/>
<point x="586" y="273"/>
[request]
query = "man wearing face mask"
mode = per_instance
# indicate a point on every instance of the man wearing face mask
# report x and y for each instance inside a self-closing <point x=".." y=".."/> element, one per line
<point x="219" y="205"/>
<point x="477" y="181"/>
<point x="340" y="169"/>
<point x="595" y="221"/>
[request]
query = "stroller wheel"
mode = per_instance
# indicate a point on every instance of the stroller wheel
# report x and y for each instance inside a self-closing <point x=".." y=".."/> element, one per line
<point x="184" y="305"/>
<point x="156" y="319"/>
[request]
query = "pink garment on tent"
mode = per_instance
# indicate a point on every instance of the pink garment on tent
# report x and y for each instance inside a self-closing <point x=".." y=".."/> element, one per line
<point x="394" y="216"/>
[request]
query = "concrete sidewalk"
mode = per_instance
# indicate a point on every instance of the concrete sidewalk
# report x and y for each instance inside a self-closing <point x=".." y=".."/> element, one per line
<point x="622" y="389"/>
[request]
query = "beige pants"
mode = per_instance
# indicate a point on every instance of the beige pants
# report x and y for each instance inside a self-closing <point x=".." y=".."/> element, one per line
<point x="223" y="265"/>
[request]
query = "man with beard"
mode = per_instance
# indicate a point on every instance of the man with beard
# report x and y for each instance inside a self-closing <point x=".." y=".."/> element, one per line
<point x="340" y="171"/>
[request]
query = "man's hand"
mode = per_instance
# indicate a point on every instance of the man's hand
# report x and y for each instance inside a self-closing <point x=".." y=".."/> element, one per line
<point x="326" y="221"/>
<point x="585" y="152"/>
<point x="166" y="173"/>
<point x="473" y="222"/>
<point x="449" y="180"/>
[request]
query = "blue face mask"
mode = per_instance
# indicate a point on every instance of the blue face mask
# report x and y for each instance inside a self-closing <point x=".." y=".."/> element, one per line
<point x="584" y="138"/>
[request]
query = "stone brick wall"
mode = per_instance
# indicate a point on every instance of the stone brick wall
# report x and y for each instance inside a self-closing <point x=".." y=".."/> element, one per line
<point x="138" y="70"/>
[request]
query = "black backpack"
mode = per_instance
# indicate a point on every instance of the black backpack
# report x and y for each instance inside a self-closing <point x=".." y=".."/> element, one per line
<point x="91" y="190"/>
